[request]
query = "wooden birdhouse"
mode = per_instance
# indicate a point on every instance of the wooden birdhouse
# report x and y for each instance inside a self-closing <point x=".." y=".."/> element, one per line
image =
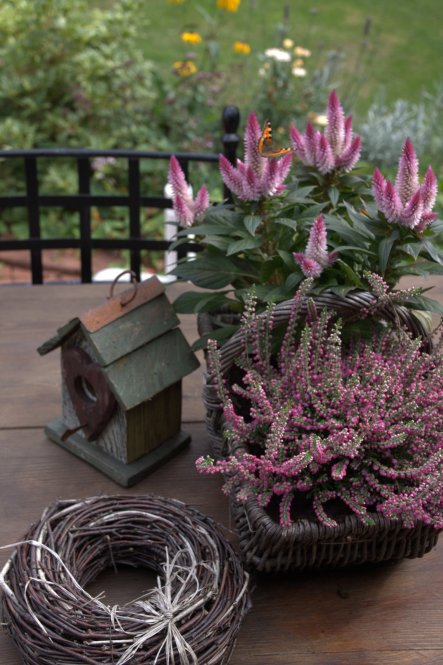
<point x="122" y="366"/>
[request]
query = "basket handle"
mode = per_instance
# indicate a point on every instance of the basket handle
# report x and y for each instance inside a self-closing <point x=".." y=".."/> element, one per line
<point x="345" y="306"/>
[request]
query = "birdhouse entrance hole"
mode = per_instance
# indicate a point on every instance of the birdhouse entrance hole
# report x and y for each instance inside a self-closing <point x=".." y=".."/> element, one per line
<point x="85" y="389"/>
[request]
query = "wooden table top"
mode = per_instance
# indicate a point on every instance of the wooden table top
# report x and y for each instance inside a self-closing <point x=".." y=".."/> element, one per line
<point x="375" y="615"/>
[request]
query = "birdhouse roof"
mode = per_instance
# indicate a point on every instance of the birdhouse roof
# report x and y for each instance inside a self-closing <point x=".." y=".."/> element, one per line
<point x="136" y="340"/>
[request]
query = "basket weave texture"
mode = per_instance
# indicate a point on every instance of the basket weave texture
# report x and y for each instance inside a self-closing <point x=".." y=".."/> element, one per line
<point x="268" y="547"/>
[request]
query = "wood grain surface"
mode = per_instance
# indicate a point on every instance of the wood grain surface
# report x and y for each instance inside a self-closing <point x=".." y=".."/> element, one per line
<point x="390" y="614"/>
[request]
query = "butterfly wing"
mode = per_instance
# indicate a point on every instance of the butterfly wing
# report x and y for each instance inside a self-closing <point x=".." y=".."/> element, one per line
<point x="265" y="148"/>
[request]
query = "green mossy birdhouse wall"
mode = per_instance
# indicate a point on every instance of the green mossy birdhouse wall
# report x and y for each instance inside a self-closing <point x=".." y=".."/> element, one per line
<point x="122" y="367"/>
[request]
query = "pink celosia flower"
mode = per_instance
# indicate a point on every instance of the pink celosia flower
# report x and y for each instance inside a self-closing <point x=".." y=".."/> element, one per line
<point x="257" y="177"/>
<point x="316" y="256"/>
<point x="187" y="209"/>
<point x="407" y="202"/>
<point x="335" y="150"/>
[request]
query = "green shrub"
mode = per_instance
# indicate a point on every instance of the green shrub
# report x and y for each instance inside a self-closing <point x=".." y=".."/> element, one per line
<point x="72" y="75"/>
<point x="385" y="126"/>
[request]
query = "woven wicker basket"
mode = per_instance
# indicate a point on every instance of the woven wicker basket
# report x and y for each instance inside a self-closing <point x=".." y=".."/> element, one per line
<point x="267" y="547"/>
<point x="347" y="307"/>
<point x="264" y="544"/>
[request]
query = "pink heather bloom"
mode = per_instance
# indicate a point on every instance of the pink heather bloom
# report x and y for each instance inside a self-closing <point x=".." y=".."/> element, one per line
<point x="362" y="425"/>
<point x="407" y="202"/>
<point x="316" y="256"/>
<point x="256" y="177"/>
<point x="335" y="150"/>
<point x="187" y="209"/>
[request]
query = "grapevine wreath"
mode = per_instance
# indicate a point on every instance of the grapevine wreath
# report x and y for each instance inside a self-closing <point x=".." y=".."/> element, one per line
<point x="191" y="617"/>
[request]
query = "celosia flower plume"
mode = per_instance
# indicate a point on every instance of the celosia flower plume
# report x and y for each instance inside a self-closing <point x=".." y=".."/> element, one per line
<point x="337" y="149"/>
<point x="316" y="257"/>
<point x="256" y="177"/>
<point x="187" y="209"/>
<point x="407" y="202"/>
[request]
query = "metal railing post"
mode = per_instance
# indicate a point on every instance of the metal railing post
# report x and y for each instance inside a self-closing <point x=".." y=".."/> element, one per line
<point x="230" y="121"/>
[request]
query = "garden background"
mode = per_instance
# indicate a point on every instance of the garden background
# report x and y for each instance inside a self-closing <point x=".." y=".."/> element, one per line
<point x="155" y="75"/>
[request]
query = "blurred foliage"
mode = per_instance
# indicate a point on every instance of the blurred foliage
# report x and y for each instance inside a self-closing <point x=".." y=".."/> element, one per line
<point x="81" y="74"/>
<point x="71" y="75"/>
<point x="386" y="125"/>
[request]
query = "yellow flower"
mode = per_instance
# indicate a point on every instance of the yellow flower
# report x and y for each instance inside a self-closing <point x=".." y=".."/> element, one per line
<point x="191" y="37"/>
<point x="229" y="5"/>
<point x="299" y="62"/>
<point x="318" y="119"/>
<point x="302" y="52"/>
<point x="241" y="47"/>
<point x="184" y="67"/>
<point x="288" y="43"/>
<point x="176" y="2"/>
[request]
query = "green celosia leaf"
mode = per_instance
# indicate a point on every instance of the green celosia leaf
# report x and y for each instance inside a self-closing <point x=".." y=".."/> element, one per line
<point x="243" y="244"/>
<point x="312" y="212"/>
<point x="345" y="230"/>
<point x="433" y="251"/>
<point x="293" y="280"/>
<point x="211" y="272"/>
<point x="287" y="258"/>
<point x="350" y="274"/>
<point x="341" y="290"/>
<point x="195" y="301"/>
<point x="333" y="194"/>
<point x="221" y="335"/>
<point x="426" y="304"/>
<point x="360" y="221"/>
<point x="252" y="222"/>
<point x="411" y="248"/>
<point x="344" y="248"/>
<point x="299" y="195"/>
<point x="371" y="209"/>
<point x="286" y="221"/>
<point x="221" y="216"/>
<point x="425" y="319"/>
<point x="268" y="293"/>
<point x="384" y="250"/>
<point x="425" y="268"/>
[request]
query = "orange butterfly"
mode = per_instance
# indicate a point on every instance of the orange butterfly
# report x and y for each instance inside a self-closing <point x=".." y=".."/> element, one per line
<point x="265" y="144"/>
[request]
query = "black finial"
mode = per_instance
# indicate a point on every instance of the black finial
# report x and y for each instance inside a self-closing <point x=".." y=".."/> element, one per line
<point x="231" y="119"/>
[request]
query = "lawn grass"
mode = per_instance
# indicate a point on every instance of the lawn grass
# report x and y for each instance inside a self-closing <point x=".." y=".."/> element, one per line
<point x="403" y="52"/>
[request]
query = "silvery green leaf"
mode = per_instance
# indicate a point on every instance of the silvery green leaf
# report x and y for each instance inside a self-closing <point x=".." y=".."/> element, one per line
<point x="252" y="222"/>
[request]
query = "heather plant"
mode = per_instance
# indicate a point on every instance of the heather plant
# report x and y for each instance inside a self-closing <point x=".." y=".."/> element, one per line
<point x="340" y="428"/>
<point x="307" y="209"/>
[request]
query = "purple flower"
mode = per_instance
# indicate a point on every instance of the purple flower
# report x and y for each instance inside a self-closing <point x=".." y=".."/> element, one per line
<point x="407" y="202"/>
<point x="256" y="177"/>
<point x="316" y="256"/>
<point x="335" y="150"/>
<point x="187" y="209"/>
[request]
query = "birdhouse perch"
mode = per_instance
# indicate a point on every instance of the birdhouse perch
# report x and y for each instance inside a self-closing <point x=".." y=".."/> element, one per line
<point x="122" y="366"/>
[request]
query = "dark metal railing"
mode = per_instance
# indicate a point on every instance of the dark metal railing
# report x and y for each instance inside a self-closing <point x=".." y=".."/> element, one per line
<point x="84" y="200"/>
